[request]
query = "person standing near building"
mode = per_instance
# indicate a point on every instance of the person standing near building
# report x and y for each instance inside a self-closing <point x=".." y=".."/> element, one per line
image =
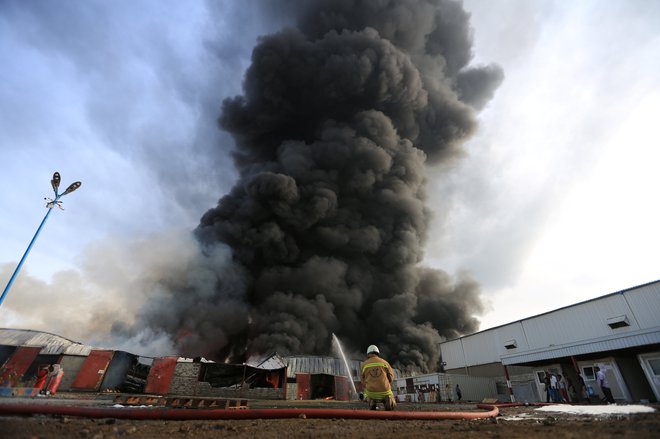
<point x="572" y="394"/>
<point x="563" y="388"/>
<point x="582" y="391"/>
<point x="377" y="377"/>
<point x="604" y="385"/>
<point x="546" y="381"/>
<point x="459" y="394"/>
<point x="554" y="391"/>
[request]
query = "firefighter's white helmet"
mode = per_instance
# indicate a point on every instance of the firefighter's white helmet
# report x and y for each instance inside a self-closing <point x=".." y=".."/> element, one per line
<point x="373" y="349"/>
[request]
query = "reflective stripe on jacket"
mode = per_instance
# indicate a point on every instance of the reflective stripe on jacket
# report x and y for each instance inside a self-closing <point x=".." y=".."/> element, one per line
<point x="376" y="377"/>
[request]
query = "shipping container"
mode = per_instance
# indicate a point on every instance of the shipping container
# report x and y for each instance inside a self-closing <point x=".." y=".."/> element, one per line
<point x="17" y="364"/>
<point x="160" y="375"/>
<point x="93" y="370"/>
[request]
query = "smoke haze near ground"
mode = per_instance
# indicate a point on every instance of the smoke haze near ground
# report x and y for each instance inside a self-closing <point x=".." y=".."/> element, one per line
<point x="325" y="228"/>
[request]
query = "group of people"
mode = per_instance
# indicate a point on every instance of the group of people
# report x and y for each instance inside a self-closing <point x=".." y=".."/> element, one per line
<point x="557" y="388"/>
<point x="562" y="389"/>
<point x="439" y="395"/>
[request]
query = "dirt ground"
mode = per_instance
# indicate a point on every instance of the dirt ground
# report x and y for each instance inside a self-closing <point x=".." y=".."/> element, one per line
<point x="512" y="423"/>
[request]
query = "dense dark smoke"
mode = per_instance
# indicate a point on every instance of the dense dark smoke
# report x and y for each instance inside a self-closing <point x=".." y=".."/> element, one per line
<point x="327" y="222"/>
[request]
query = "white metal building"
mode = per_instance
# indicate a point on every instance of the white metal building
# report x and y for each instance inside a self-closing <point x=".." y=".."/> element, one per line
<point x="442" y="387"/>
<point x="619" y="332"/>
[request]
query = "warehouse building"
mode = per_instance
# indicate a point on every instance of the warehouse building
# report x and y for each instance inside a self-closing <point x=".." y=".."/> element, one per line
<point x="317" y="377"/>
<point x="618" y="332"/>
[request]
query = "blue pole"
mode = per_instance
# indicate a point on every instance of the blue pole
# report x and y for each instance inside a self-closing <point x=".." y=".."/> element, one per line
<point x="20" y="264"/>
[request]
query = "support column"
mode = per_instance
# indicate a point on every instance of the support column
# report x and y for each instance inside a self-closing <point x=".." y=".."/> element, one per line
<point x="508" y="383"/>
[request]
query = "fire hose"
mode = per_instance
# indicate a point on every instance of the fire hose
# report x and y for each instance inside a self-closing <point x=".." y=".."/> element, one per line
<point x="176" y="414"/>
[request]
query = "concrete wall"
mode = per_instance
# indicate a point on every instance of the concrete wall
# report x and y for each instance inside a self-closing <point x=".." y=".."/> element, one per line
<point x="185" y="379"/>
<point x="185" y="383"/>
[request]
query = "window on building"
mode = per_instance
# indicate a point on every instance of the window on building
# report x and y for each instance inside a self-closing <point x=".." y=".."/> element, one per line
<point x="655" y="365"/>
<point x="618" y="322"/>
<point x="588" y="373"/>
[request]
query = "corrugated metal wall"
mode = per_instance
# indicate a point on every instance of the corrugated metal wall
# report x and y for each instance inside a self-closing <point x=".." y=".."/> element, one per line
<point x="304" y="390"/>
<point x="71" y="364"/>
<point x="92" y="371"/>
<point x="483" y="348"/>
<point x="325" y="365"/>
<point x="343" y="389"/>
<point x="645" y="303"/>
<point x="18" y="364"/>
<point x="117" y="369"/>
<point x="472" y="388"/>
<point x="452" y="354"/>
<point x="160" y="375"/>
<point x="585" y="322"/>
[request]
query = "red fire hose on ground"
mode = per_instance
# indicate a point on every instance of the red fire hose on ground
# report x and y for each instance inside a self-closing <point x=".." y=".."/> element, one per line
<point x="210" y="414"/>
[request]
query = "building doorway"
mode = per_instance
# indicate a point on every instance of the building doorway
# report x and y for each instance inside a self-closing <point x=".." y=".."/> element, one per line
<point x="651" y="366"/>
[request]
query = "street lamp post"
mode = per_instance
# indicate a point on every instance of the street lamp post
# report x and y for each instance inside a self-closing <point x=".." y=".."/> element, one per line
<point x="55" y="182"/>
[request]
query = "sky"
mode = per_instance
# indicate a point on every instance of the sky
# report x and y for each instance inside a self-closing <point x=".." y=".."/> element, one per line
<point x="554" y="202"/>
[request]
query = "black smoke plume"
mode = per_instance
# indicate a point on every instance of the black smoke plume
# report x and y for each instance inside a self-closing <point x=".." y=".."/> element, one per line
<point x="327" y="222"/>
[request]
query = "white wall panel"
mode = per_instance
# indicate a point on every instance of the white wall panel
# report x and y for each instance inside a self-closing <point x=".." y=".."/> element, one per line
<point x="584" y="321"/>
<point x="452" y="354"/>
<point x="584" y="324"/>
<point x="481" y="349"/>
<point x="645" y="305"/>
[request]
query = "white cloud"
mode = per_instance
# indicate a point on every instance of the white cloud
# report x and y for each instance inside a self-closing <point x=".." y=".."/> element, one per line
<point x="555" y="200"/>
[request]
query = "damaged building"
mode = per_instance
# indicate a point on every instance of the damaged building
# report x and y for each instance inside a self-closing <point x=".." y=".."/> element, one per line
<point x="316" y="377"/>
<point x="89" y="369"/>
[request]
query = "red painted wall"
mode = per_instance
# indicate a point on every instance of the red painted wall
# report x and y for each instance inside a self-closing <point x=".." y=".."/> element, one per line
<point x="342" y="389"/>
<point x="304" y="385"/>
<point x="92" y="371"/>
<point x="19" y="361"/>
<point x="160" y="375"/>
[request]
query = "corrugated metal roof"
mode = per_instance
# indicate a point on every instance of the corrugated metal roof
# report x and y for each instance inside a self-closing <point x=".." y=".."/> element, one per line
<point x="271" y="362"/>
<point x="641" y="338"/>
<point x="325" y="365"/>
<point x="51" y="344"/>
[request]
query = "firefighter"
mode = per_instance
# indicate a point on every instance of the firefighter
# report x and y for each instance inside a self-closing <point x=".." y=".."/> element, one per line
<point x="377" y="377"/>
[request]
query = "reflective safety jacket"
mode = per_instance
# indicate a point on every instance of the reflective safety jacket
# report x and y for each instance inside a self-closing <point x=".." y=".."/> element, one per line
<point x="376" y="378"/>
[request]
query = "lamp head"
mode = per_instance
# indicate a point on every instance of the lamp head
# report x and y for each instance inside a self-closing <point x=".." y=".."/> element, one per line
<point x="72" y="187"/>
